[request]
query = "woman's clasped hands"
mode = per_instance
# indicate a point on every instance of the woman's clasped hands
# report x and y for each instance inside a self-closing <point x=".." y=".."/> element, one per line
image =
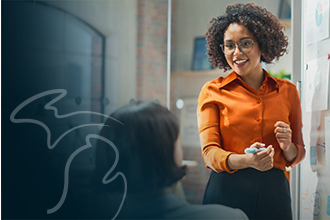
<point x="261" y="160"/>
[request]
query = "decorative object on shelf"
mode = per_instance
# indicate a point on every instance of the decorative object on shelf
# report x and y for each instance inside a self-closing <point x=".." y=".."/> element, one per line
<point x="179" y="104"/>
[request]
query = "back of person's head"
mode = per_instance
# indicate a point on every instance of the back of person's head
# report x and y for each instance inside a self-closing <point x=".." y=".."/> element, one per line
<point x="145" y="139"/>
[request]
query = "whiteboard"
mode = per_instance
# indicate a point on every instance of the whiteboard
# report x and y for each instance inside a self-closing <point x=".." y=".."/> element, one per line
<point x="314" y="197"/>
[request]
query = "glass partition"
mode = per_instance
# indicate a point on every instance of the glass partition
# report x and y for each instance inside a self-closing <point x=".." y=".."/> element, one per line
<point x="66" y="66"/>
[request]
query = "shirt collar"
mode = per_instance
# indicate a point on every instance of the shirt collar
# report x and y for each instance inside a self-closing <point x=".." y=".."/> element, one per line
<point x="271" y="79"/>
<point x="233" y="76"/>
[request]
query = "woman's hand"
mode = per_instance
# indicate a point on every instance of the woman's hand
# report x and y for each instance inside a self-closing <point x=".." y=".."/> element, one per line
<point x="283" y="134"/>
<point x="262" y="160"/>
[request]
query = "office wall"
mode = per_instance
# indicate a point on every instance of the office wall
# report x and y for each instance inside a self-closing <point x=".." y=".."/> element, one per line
<point x="117" y="21"/>
<point x="152" y="50"/>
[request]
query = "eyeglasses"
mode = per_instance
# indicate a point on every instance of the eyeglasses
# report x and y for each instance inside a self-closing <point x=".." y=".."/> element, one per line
<point x="244" y="46"/>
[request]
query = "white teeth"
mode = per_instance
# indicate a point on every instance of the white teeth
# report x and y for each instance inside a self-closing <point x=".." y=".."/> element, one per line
<point x="240" y="61"/>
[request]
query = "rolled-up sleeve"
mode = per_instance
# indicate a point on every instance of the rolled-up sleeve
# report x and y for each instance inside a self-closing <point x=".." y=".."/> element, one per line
<point x="296" y="127"/>
<point x="214" y="156"/>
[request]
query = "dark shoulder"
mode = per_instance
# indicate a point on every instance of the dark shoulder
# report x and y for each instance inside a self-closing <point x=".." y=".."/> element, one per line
<point x="213" y="212"/>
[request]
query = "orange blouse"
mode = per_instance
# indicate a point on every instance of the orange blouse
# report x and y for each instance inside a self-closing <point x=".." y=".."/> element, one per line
<point x="232" y="116"/>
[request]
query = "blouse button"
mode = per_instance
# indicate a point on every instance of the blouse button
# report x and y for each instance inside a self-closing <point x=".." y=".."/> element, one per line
<point x="258" y="119"/>
<point x="258" y="101"/>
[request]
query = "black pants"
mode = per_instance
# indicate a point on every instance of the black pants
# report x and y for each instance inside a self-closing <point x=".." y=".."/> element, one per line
<point x="261" y="195"/>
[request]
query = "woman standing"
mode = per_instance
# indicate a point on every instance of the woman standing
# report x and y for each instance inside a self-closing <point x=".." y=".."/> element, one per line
<point x="249" y="109"/>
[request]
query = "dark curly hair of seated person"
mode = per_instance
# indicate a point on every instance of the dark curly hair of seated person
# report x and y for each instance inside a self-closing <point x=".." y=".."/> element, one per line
<point x="143" y="136"/>
<point x="265" y="26"/>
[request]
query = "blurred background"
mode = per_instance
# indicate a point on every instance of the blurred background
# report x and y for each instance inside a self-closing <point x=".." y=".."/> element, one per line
<point x="104" y="53"/>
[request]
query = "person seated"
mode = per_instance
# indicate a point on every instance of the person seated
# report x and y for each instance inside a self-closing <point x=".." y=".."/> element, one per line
<point x="138" y="153"/>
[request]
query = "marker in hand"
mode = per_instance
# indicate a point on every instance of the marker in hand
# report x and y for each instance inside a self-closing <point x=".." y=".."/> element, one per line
<point x="252" y="150"/>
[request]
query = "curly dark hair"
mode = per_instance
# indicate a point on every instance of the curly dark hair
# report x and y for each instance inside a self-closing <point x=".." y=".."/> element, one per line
<point x="265" y="26"/>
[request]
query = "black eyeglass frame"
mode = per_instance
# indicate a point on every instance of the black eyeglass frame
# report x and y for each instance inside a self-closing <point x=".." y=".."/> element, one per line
<point x="240" y="49"/>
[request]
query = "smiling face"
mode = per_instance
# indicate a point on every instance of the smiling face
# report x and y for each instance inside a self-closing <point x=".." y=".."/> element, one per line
<point x="248" y="66"/>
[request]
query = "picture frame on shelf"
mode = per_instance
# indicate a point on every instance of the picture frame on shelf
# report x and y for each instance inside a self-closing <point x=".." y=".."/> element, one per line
<point x="200" y="59"/>
<point x="284" y="11"/>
